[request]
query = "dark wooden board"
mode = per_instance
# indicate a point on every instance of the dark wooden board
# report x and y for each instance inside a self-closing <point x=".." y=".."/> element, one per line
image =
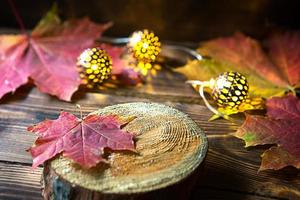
<point x="230" y="169"/>
<point x="21" y="182"/>
<point x="220" y="194"/>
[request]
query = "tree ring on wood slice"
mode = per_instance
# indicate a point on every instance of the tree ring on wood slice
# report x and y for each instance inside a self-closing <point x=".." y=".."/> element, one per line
<point x="169" y="145"/>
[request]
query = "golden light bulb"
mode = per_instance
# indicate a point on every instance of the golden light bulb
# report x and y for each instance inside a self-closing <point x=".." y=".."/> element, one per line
<point x="94" y="66"/>
<point x="144" y="46"/>
<point x="230" y="90"/>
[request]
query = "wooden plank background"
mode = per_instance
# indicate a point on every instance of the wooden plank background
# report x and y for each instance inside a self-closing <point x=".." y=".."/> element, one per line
<point x="230" y="171"/>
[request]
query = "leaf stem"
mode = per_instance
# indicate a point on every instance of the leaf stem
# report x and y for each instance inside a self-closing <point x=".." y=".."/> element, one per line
<point x="79" y="107"/>
<point x="17" y="15"/>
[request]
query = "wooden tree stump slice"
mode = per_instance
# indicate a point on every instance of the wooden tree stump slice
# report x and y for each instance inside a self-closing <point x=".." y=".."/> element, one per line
<point x="169" y="147"/>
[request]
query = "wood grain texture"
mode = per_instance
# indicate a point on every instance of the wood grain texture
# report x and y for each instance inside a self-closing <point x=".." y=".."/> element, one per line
<point x="227" y="158"/>
<point x="230" y="169"/>
<point x="169" y="147"/>
<point x="19" y="182"/>
<point x="238" y="171"/>
<point x="219" y="194"/>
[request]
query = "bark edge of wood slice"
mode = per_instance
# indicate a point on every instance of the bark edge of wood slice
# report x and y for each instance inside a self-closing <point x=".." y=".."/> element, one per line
<point x="169" y="145"/>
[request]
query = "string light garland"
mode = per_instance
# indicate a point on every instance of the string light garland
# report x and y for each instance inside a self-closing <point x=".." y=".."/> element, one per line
<point x="94" y="66"/>
<point x="229" y="90"/>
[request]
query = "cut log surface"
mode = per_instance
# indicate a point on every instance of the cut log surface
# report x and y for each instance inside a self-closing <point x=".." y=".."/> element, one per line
<point x="169" y="147"/>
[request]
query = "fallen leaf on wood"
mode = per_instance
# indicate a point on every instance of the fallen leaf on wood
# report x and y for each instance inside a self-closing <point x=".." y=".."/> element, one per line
<point x="280" y="127"/>
<point x="248" y="104"/>
<point x="121" y="71"/>
<point x="267" y="75"/>
<point x="277" y="158"/>
<point x="50" y="49"/>
<point x="13" y="74"/>
<point x="245" y="55"/>
<point x="211" y="68"/>
<point x="82" y="140"/>
<point x="285" y="53"/>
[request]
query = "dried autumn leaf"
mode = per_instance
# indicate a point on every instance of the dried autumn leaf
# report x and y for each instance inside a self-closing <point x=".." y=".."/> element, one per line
<point x="245" y="55"/>
<point x="211" y="68"/>
<point x="121" y="70"/>
<point x="12" y="73"/>
<point x="208" y="68"/>
<point x="51" y="48"/>
<point x="248" y="104"/>
<point x="82" y="140"/>
<point x="277" y="158"/>
<point x="285" y="53"/>
<point x="280" y="127"/>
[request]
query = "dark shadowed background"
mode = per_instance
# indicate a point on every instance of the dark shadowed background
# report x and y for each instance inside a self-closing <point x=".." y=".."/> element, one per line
<point x="180" y="20"/>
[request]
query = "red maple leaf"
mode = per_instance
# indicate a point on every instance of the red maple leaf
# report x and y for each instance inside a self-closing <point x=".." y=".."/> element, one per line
<point x="48" y="55"/>
<point x="82" y="140"/>
<point x="125" y="74"/>
<point x="280" y="127"/>
<point x="285" y="53"/>
<point x="245" y="53"/>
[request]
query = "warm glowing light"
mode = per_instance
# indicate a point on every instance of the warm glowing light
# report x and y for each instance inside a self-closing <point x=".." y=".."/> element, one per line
<point x="83" y="58"/>
<point x="144" y="46"/>
<point x="135" y="38"/>
<point x="144" y="68"/>
<point x="94" y="66"/>
<point x="230" y="89"/>
<point x="147" y="69"/>
<point x="222" y="82"/>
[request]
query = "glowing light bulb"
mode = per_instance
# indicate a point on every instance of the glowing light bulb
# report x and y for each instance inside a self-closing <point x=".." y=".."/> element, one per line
<point x="144" y="46"/>
<point x="222" y="82"/>
<point x="229" y="90"/>
<point x="94" y="66"/>
<point x="135" y="38"/>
